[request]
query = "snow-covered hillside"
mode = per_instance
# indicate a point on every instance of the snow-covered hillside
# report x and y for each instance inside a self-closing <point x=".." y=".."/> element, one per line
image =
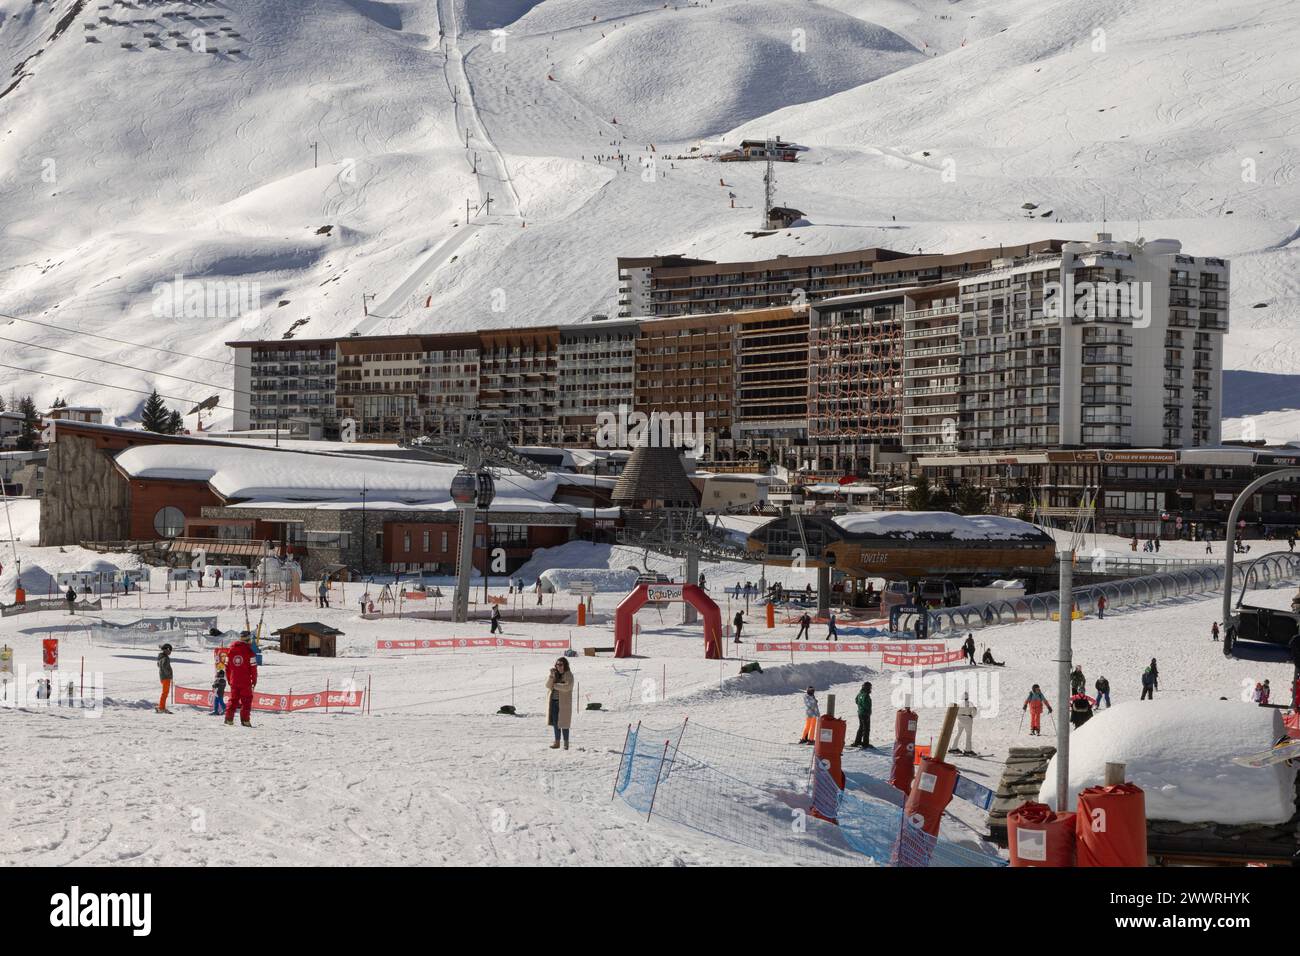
<point x="123" y="164"/>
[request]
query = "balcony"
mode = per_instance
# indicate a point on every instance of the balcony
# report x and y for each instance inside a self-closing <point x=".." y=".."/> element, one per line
<point x="1105" y="357"/>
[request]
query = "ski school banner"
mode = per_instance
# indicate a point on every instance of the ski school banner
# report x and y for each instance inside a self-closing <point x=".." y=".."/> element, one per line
<point x="922" y="660"/>
<point x="453" y="643"/>
<point x="276" y="703"/>
<point x="854" y="647"/>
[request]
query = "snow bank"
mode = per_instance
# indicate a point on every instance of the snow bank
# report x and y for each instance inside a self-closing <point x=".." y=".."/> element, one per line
<point x="912" y="524"/>
<point x="791" y="679"/>
<point x="1179" y="751"/>
<point x="604" y="579"/>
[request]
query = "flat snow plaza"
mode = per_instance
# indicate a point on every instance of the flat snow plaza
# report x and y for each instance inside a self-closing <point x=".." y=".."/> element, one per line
<point x="485" y="434"/>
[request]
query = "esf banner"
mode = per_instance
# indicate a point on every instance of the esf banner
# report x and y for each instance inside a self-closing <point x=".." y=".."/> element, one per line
<point x="276" y="703"/>
<point x="855" y="647"/>
<point x="921" y="660"/>
<point x="446" y="643"/>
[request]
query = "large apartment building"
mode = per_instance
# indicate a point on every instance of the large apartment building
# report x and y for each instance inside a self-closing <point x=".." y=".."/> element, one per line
<point x="1047" y="345"/>
<point x="1104" y="344"/>
<point x="665" y="286"/>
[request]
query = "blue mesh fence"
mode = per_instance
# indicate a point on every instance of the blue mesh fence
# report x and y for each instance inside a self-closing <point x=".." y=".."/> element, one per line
<point x="760" y="795"/>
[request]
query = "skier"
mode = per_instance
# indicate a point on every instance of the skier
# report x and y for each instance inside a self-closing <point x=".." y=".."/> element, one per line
<point x="1103" y="691"/>
<point x="863" y="736"/>
<point x="1077" y="680"/>
<point x="969" y="648"/>
<point x="1148" y="685"/>
<point x="1257" y="695"/>
<point x="322" y="593"/>
<point x="1265" y="692"/>
<point x="1214" y="631"/>
<point x="738" y="622"/>
<point x="216" y="577"/>
<point x="496" y="620"/>
<point x="241" y="672"/>
<point x="1101" y="607"/>
<point x="539" y="592"/>
<point x="164" y="675"/>
<point x="71" y="597"/>
<point x="832" y="633"/>
<point x="805" y="622"/>
<point x="559" y="698"/>
<point x="988" y="658"/>
<point x="1080" y="710"/>
<point x="811" y="712"/>
<point x="702" y="587"/>
<point x="1155" y="674"/>
<point x="965" y="723"/>
<point x="1035" y="703"/>
<point x="219" y="693"/>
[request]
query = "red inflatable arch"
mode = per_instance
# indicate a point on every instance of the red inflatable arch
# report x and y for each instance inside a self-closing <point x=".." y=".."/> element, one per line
<point x="628" y="607"/>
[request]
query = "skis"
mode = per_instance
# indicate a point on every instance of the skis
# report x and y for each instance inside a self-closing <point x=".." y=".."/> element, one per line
<point x="1285" y="749"/>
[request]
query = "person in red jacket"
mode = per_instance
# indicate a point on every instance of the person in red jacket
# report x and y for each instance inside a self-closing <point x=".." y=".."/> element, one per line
<point x="241" y="672"/>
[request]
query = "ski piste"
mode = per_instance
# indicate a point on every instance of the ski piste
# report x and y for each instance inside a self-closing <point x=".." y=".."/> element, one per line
<point x="1280" y="752"/>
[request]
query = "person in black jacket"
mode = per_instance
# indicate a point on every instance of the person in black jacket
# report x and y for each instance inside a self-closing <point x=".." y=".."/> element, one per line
<point x="988" y="658"/>
<point x="739" y="622"/>
<point x="496" y="620"/>
<point x="805" y="622"/>
<point x="969" y="648"/>
<point x="71" y="597"/>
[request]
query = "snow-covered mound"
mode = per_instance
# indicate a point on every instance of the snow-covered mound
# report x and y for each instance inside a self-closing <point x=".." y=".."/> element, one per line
<point x="938" y="524"/>
<point x="560" y="580"/>
<point x="1179" y="751"/>
<point x="781" y="679"/>
<point x="729" y="63"/>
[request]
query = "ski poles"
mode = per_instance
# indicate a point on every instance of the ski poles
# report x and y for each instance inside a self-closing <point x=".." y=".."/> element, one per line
<point x="1021" y="725"/>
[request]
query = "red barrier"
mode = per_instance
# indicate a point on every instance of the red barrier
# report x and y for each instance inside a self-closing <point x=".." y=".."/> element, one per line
<point x="275" y="703"/>
<point x="1111" y="826"/>
<point x="1038" y="836"/>
<point x="921" y="660"/>
<point x="930" y="795"/>
<point x="904" y="743"/>
<point x="854" y="647"/>
<point x="828" y="746"/>
<point x="442" y="643"/>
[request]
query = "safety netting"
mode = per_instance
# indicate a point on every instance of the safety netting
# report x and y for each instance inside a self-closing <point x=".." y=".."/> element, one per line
<point x="761" y="795"/>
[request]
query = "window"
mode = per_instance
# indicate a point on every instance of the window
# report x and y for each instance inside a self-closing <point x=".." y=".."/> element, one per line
<point x="169" y="523"/>
<point x="406" y="541"/>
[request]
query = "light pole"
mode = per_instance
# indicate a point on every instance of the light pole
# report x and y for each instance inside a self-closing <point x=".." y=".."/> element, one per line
<point x="1065" y="601"/>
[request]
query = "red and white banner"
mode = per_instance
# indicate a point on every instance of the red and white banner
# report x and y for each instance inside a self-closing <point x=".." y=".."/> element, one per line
<point x="276" y="703"/>
<point x="50" y="652"/>
<point x="856" y="647"/>
<point x="922" y="660"/>
<point x="444" y="643"/>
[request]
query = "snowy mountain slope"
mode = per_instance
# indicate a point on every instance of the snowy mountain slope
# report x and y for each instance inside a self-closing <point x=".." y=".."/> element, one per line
<point x="120" y="168"/>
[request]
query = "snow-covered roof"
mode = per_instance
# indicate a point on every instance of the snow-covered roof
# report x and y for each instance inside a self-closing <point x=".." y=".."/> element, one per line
<point x="290" y="479"/>
<point x="1179" y="750"/>
<point x="938" y="524"/>
<point x="831" y="488"/>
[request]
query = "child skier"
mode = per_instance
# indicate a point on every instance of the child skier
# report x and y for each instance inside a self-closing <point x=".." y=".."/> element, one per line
<point x="1035" y="703"/>
<point x="863" y="700"/>
<point x="165" y="676"/>
<point x="219" y="693"/>
<point x="965" y="723"/>
<point x="811" y="713"/>
<point x="1103" y="691"/>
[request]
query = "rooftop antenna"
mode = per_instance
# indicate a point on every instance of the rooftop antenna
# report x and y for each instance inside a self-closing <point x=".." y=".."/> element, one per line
<point x="769" y="183"/>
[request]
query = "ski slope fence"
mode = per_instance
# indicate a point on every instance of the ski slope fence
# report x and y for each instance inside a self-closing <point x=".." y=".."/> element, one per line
<point x="759" y="795"/>
<point x="1269" y="570"/>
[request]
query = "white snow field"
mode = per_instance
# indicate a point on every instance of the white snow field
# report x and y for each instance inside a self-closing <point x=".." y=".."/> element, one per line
<point x="929" y="124"/>
<point x="435" y="775"/>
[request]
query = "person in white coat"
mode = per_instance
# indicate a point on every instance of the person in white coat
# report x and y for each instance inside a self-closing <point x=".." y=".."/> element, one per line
<point x="965" y="724"/>
<point x="559" y="701"/>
